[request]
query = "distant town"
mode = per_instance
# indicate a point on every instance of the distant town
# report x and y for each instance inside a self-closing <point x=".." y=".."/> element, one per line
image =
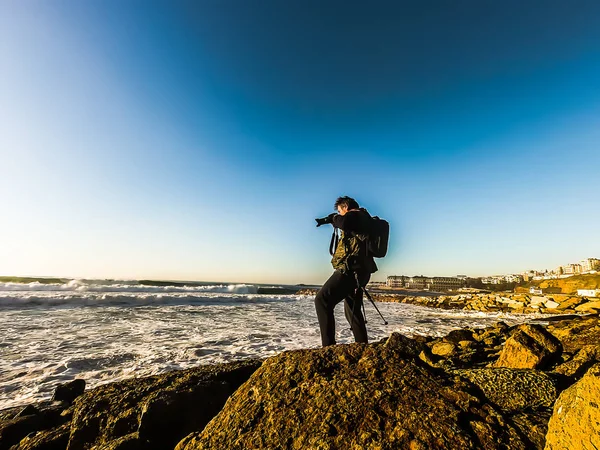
<point x="586" y="266"/>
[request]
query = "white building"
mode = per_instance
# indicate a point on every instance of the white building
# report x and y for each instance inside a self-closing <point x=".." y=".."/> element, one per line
<point x="588" y="292"/>
<point x="589" y="264"/>
<point x="571" y="269"/>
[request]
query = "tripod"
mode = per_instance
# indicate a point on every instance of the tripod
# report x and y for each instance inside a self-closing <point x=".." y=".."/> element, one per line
<point x="364" y="289"/>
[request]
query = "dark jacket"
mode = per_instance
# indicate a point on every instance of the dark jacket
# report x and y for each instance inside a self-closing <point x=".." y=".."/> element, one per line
<point x="351" y="252"/>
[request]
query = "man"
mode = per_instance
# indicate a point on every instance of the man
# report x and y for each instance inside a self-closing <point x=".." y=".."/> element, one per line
<point x="353" y="268"/>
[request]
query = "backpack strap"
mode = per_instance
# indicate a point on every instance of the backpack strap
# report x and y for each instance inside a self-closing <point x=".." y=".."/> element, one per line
<point x="335" y="239"/>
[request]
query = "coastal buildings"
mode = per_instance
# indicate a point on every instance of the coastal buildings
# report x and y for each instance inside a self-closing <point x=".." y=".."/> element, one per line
<point x="427" y="283"/>
<point x="494" y="282"/>
<point x="500" y="279"/>
<point x="585" y="266"/>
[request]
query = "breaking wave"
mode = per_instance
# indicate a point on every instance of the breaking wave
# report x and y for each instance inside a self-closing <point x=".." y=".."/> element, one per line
<point x="133" y="286"/>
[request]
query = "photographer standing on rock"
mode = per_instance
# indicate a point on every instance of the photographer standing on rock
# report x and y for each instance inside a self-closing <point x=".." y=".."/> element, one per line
<point x="353" y="268"/>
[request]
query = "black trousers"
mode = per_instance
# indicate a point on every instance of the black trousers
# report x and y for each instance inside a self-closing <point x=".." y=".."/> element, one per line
<point x="337" y="288"/>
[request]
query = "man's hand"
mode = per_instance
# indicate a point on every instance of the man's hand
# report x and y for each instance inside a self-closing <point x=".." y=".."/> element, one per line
<point x="325" y="220"/>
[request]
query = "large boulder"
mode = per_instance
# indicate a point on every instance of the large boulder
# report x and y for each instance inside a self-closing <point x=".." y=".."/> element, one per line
<point x="529" y="347"/>
<point x="356" y="396"/>
<point x="575" y="422"/>
<point x="156" y="411"/>
<point x="68" y="392"/>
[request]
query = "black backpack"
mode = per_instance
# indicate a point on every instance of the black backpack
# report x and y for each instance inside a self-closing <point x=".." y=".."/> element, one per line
<point x="377" y="242"/>
<point x="379" y="236"/>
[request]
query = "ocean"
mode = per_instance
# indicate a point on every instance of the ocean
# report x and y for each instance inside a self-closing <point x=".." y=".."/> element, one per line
<point x="107" y="330"/>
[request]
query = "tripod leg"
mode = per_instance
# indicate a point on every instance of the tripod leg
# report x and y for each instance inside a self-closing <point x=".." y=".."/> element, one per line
<point x="375" y="306"/>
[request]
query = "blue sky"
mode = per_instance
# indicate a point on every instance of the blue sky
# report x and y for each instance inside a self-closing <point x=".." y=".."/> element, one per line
<point x="199" y="140"/>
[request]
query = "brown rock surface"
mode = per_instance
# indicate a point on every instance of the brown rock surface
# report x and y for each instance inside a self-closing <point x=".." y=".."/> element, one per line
<point x="392" y="394"/>
<point x="529" y="347"/>
<point x="355" y="397"/>
<point x="156" y="411"/>
<point x="575" y="422"/>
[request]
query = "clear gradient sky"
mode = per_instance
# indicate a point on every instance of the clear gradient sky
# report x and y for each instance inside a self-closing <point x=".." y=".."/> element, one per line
<point x="199" y="140"/>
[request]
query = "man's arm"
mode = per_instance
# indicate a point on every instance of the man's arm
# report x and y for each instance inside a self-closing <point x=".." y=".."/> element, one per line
<point x="352" y="221"/>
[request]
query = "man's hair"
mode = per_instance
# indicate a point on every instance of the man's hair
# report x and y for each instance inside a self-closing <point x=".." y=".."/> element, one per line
<point x="348" y="202"/>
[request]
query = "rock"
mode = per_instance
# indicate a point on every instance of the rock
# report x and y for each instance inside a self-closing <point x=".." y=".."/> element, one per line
<point x="588" y="307"/>
<point x="128" y="442"/>
<point x="162" y="409"/>
<point x="580" y="362"/>
<point x="427" y="358"/>
<point x="569" y="303"/>
<point x="515" y="305"/>
<point x="28" y="411"/>
<point x="525" y="396"/>
<point x="551" y="304"/>
<point x="575" y="422"/>
<point x="354" y="397"/>
<point x="467" y="345"/>
<point x="514" y="390"/>
<point x="537" y="301"/>
<point x="405" y="346"/>
<point x="443" y="348"/>
<point x="575" y="333"/>
<point x="54" y="439"/>
<point x="529" y="347"/>
<point x="12" y="431"/>
<point x="534" y="425"/>
<point x="455" y="336"/>
<point x="68" y="392"/>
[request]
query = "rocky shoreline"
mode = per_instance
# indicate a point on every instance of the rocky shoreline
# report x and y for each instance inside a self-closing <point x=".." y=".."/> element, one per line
<point x="523" y="387"/>
<point x="508" y="302"/>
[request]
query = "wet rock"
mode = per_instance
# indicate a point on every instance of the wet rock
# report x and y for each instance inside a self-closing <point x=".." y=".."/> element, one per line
<point x="162" y="409"/>
<point x="12" y="431"/>
<point x="68" y="392"/>
<point x="354" y="397"/>
<point x="32" y="420"/>
<point x="529" y="347"/>
<point x="28" y="411"/>
<point x="54" y="439"/>
<point x="575" y="422"/>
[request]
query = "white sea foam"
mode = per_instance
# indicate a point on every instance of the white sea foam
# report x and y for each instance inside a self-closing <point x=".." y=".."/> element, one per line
<point x="51" y="336"/>
<point x="131" y="287"/>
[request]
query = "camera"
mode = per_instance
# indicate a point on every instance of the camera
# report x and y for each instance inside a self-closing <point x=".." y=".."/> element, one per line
<point x="325" y="220"/>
